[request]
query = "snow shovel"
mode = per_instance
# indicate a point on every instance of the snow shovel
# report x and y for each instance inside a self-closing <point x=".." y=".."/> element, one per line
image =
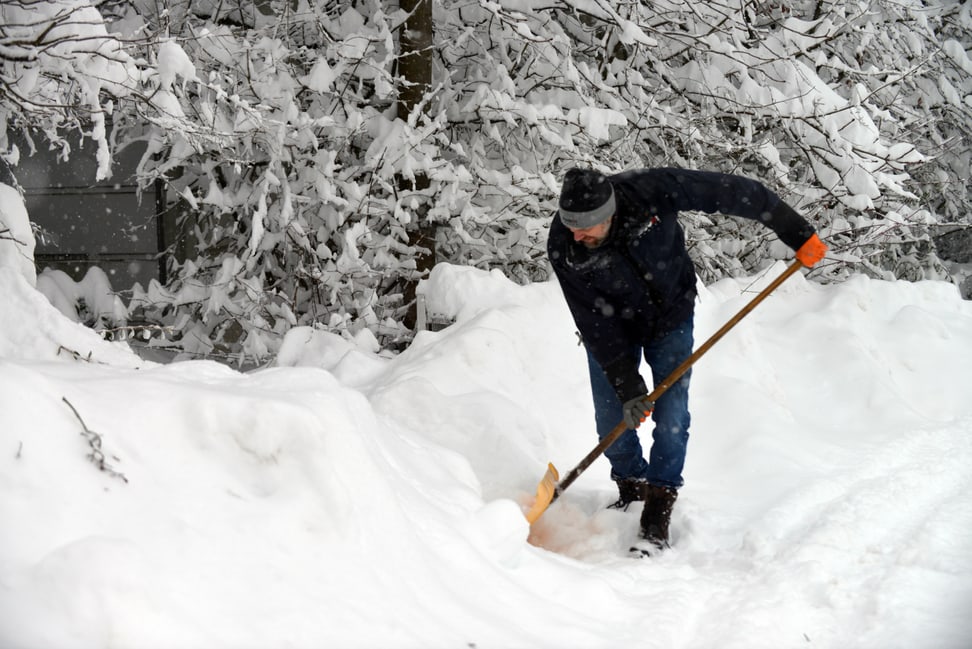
<point x="549" y="488"/>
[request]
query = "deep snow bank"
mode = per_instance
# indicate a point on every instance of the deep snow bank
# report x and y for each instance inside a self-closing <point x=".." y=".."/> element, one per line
<point x="345" y="499"/>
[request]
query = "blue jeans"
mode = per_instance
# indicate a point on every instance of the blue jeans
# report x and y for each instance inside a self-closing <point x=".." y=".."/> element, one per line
<point x="671" y="415"/>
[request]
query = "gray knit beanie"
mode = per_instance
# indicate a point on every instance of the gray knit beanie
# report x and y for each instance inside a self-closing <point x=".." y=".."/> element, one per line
<point x="586" y="199"/>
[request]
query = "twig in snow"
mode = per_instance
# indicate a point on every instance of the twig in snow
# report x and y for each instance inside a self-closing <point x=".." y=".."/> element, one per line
<point x="77" y="356"/>
<point x="97" y="456"/>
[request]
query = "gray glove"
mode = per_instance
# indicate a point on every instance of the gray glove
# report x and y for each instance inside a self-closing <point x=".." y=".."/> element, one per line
<point x="637" y="410"/>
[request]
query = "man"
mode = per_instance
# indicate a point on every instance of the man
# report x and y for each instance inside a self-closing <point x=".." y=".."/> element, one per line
<point x="619" y="254"/>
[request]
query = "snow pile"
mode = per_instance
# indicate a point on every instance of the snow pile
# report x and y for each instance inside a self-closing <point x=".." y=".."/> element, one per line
<point x="16" y="239"/>
<point x="345" y="499"/>
<point x="30" y="327"/>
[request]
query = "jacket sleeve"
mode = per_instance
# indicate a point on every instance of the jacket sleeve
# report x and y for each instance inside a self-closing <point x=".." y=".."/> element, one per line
<point x="712" y="192"/>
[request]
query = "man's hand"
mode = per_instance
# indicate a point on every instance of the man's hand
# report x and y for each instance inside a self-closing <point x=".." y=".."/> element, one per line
<point x="812" y="251"/>
<point x="637" y="410"/>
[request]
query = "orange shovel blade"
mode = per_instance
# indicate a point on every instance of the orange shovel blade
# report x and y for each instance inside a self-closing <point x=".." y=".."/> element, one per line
<point x="545" y="493"/>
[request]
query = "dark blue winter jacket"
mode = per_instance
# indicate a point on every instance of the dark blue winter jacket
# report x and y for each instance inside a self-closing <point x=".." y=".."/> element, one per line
<point x="640" y="283"/>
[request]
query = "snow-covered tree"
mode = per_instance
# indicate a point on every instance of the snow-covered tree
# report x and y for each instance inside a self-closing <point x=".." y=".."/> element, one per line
<point x="313" y="165"/>
<point x="857" y="113"/>
<point x="61" y="72"/>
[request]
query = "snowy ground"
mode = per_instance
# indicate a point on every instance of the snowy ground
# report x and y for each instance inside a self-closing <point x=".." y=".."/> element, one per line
<point x="341" y="499"/>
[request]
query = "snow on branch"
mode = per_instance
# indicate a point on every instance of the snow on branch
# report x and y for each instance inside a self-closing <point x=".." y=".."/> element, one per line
<point x="299" y="189"/>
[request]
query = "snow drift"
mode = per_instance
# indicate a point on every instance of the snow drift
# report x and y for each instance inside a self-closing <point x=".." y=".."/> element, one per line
<point x="341" y="498"/>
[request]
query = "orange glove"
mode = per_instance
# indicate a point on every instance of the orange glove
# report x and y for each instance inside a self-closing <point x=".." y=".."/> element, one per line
<point x="812" y="251"/>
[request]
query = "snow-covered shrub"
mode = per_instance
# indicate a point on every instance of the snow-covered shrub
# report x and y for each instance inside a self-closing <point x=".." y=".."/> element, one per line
<point x="91" y="301"/>
<point x="301" y="186"/>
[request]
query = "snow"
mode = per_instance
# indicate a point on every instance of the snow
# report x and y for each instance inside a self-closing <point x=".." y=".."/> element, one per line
<point x="101" y="304"/>
<point x="321" y="76"/>
<point x="16" y="239"/>
<point x="344" y="498"/>
<point x="173" y="62"/>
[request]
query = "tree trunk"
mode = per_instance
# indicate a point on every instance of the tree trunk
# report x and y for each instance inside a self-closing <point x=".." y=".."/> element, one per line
<point x="415" y="80"/>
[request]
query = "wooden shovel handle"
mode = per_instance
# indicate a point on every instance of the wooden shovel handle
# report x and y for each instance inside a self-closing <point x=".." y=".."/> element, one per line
<point x="670" y="380"/>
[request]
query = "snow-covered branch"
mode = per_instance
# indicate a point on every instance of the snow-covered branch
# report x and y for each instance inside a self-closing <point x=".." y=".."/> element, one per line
<point x="300" y="186"/>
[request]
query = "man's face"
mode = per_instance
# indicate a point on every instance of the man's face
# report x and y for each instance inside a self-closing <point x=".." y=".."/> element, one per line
<point x="593" y="236"/>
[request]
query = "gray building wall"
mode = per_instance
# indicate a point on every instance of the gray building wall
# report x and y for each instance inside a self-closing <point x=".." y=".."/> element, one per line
<point x="82" y="223"/>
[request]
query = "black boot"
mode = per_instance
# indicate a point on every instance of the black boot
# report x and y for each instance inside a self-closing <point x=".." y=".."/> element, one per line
<point x="629" y="490"/>
<point x="659" y="502"/>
